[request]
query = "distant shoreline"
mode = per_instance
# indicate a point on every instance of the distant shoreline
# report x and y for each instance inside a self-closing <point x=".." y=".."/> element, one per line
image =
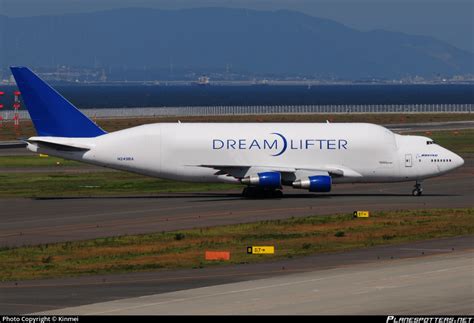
<point x="118" y="95"/>
<point x="250" y="83"/>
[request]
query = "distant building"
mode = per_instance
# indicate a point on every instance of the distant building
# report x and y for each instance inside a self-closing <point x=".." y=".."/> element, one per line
<point x="203" y="81"/>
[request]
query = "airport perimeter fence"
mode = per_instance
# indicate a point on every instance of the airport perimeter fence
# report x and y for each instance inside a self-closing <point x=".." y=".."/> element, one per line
<point x="262" y="110"/>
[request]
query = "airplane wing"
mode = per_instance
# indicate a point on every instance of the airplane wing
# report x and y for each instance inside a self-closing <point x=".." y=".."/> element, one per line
<point x="242" y="171"/>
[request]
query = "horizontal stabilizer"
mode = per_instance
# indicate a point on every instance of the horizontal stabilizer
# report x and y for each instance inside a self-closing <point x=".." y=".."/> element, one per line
<point x="55" y="145"/>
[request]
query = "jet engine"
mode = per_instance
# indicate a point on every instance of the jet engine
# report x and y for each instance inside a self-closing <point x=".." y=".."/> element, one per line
<point x="265" y="180"/>
<point x="319" y="183"/>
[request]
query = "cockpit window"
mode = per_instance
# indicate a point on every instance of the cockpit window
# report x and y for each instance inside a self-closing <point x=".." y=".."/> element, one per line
<point x="430" y="142"/>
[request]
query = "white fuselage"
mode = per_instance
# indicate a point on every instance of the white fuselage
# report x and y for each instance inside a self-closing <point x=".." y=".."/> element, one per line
<point x="350" y="152"/>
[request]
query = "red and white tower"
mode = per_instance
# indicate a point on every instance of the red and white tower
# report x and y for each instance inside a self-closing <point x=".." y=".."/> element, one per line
<point x="1" y="107"/>
<point x="16" y="107"/>
<point x="1" y="96"/>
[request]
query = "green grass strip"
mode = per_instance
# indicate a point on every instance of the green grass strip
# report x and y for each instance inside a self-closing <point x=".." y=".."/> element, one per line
<point x="293" y="237"/>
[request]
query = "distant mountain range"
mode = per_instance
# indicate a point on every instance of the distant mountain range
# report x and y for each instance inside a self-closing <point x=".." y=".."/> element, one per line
<point x="281" y="43"/>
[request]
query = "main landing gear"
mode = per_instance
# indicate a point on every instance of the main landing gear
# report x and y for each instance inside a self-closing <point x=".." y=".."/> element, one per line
<point x="418" y="190"/>
<point x="261" y="193"/>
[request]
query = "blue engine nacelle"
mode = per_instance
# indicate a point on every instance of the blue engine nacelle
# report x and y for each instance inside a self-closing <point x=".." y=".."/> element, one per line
<point x="265" y="179"/>
<point x="318" y="183"/>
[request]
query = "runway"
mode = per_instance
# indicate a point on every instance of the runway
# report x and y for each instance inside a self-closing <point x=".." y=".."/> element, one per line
<point x="440" y="285"/>
<point x="55" y="294"/>
<point x="34" y="221"/>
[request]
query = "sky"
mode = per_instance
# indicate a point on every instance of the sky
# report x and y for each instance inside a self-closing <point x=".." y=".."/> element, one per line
<point x="449" y="20"/>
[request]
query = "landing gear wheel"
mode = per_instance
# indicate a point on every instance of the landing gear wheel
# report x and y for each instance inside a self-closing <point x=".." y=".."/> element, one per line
<point x="277" y="194"/>
<point x="418" y="189"/>
<point x="251" y="192"/>
<point x="260" y="193"/>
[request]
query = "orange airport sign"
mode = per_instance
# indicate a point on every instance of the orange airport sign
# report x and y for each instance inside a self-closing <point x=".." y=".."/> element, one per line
<point x="217" y="255"/>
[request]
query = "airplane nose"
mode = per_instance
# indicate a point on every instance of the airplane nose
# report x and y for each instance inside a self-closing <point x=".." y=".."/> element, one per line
<point x="458" y="161"/>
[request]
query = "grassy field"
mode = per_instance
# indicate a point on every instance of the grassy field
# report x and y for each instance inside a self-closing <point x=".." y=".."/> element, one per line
<point x="36" y="161"/>
<point x="8" y="132"/>
<point x="460" y="141"/>
<point x="94" y="184"/>
<point x="185" y="249"/>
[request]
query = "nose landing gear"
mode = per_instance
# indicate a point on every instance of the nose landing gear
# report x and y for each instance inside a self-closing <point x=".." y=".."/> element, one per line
<point x="418" y="190"/>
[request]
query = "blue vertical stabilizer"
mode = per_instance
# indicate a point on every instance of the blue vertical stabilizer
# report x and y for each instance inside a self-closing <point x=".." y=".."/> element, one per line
<point x="52" y="115"/>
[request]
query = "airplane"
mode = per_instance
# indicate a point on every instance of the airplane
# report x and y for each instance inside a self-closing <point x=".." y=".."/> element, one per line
<point x="264" y="157"/>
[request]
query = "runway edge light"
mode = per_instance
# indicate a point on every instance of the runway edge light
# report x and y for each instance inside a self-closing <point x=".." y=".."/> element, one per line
<point x="361" y="214"/>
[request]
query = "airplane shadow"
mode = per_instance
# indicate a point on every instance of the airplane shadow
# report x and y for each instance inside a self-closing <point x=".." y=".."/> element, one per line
<point x="325" y="196"/>
<point x="217" y="197"/>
